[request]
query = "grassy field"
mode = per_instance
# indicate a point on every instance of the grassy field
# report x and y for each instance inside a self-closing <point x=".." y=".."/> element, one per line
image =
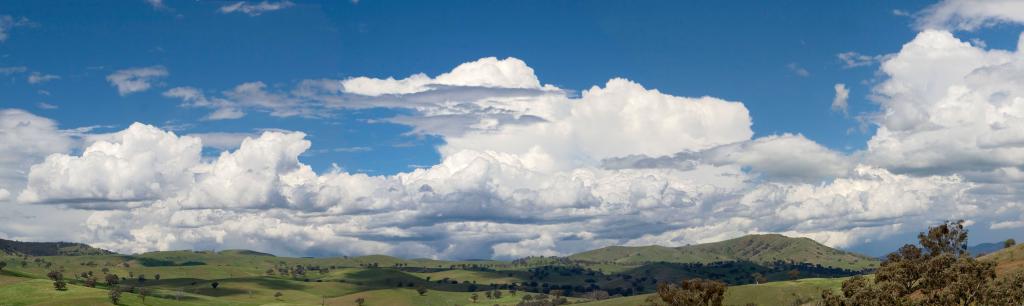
<point x="797" y="292"/>
<point x="400" y="297"/>
<point x="242" y="280"/>
<point x="41" y="292"/>
<point x="480" y="277"/>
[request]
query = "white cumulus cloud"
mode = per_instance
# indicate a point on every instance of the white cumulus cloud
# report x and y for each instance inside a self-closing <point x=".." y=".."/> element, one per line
<point x="948" y="106"/>
<point x="528" y="169"/>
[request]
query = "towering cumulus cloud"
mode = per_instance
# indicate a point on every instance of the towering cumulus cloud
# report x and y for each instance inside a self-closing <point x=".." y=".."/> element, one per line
<point x="531" y="169"/>
<point x="950" y="107"/>
<point x="140" y="163"/>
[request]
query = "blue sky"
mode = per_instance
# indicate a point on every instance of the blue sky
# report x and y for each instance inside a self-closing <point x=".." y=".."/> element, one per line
<point x="721" y="125"/>
<point x="739" y="51"/>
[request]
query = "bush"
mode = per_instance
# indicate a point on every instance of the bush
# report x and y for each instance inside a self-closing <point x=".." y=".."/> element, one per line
<point x="60" y="285"/>
<point x="112" y="279"/>
<point x="114" y="294"/>
<point x="942" y="273"/>
<point x="689" y="292"/>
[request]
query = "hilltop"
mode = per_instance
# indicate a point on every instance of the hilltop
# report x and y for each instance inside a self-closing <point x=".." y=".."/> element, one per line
<point x="763" y="249"/>
<point x="50" y="248"/>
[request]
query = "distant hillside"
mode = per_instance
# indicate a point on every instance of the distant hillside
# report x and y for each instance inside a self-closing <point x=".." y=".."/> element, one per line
<point x="245" y="252"/>
<point x="1008" y="260"/>
<point x="985" y="248"/>
<point x="50" y="248"/>
<point x="755" y="248"/>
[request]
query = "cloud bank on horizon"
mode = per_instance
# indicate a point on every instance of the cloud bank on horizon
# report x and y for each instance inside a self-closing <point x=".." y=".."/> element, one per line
<point x="533" y="169"/>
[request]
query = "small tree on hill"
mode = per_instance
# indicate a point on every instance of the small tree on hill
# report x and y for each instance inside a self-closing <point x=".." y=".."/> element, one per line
<point x="421" y="290"/>
<point x="58" y="280"/>
<point x="114" y="294"/>
<point x="54" y="275"/>
<point x="214" y="285"/>
<point x="759" y="278"/>
<point x="946" y="238"/>
<point x="1006" y="244"/>
<point x="942" y="273"/>
<point x="156" y="276"/>
<point x="142" y="293"/>
<point x="90" y="282"/>
<point x="112" y="279"/>
<point x="3" y="264"/>
<point x="474" y="297"/>
<point x="360" y="301"/>
<point x="689" y="292"/>
<point x="278" y="295"/>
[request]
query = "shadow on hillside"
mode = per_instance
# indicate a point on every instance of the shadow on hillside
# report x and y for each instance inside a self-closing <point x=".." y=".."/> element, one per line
<point x="386" y="278"/>
<point x="272" y="283"/>
<point x="735" y="272"/>
<point x="202" y="286"/>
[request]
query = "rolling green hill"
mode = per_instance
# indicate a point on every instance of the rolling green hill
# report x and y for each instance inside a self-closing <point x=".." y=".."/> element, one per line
<point x="755" y="248"/>
<point x="49" y="248"/>
<point x="245" y="277"/>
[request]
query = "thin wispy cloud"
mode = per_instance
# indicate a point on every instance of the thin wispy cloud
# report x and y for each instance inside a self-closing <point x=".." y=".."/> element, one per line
<point x="353" y="149"/>
<point x="969" y="15"/>
<point x="853" y="59"/>
<point x="44" y="105"/>
<point x="157" y="4"/>
<point x="12" y="70"/>
<point x="255" y="8"/>
<point x="799" y="71"/>
<point x="37" y="78"/>
<point x="8" y="23"/>
<point x="133" y="80"/>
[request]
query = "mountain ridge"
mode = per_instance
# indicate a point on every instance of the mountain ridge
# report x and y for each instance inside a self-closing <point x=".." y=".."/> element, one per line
<point x="760" y="248"/>
<point x="756" y="248"/>
<point x="50" y="248"/>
